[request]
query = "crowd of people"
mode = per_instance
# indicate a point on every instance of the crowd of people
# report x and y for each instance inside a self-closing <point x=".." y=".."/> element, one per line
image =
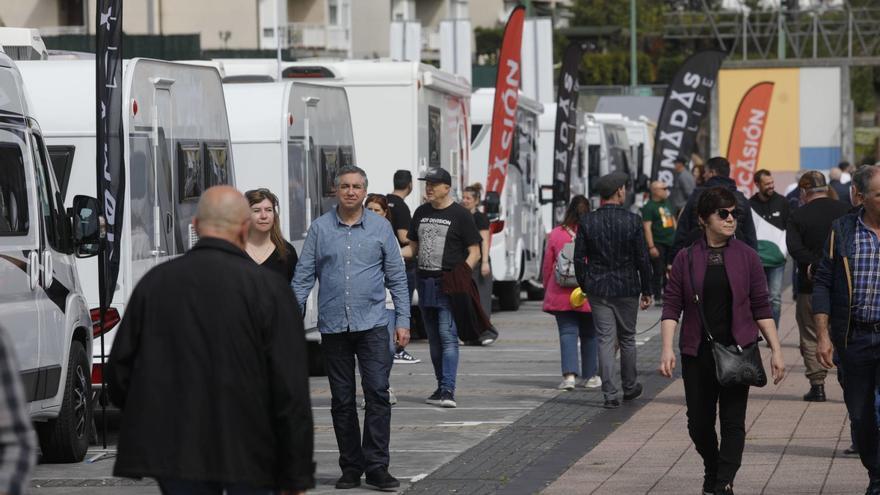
<point x="712" y="259"/>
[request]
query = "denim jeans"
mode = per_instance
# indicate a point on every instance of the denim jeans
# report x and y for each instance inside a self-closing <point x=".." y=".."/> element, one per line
<point x="371" y="349"/>
<point x="441" y="331"/>
<point x="774" y="287"/>
<point x="574" y="326"/>
<point x="861" y="362"/>
<point x="188" y="487"/>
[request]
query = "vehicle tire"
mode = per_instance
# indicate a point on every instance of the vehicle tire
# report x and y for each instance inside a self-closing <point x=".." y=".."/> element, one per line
<point x="66" y="438"/>
<point x="508" y="295"/>
<point x="316" y="359"/>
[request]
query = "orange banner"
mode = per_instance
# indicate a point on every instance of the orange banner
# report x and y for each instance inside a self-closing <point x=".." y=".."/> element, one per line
<point x="746" y="135"/>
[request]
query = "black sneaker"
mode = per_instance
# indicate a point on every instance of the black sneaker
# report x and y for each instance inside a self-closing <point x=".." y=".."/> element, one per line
<point x="381" y="479"/>
<point x="727" y="490"/>
<point x="612" y="403"/>
<point x="447" y="399"/>
<point x="635" y="394"/>
<point x="349" y="479"/>
<point x="434" y="399"/>
<point x="404" y="357"/>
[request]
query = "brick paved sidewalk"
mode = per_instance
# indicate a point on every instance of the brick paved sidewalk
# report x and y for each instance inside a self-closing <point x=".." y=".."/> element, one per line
<point x="792" y="446"/>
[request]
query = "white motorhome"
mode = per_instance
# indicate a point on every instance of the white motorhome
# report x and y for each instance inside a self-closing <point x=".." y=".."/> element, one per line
<point x="176" y="145"/>
<point x="42" y="307"/>
<point x="517" y="241"/>
<point x="641" y="148"/>
<point x="291" y="138"/>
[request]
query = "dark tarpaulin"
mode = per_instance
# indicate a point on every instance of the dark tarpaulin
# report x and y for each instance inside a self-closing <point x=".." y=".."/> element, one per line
<point x="566" y="129"/>
<point x="684" y="106"/>
<point x="110" y="141"/>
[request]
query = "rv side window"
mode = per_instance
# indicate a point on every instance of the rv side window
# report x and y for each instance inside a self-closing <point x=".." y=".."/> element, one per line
<point x="54" y="219"/>
<point x="217" y="170"/>
<point x="62" y="161"/>
<point x="189" y="170"/>
<point x="13" y="192"/>
<point x="434" y="126"/>
<point x="329" y="166"/>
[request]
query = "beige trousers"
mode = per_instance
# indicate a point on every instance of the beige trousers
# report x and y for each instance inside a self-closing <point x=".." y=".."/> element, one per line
<point x="804" y="315"/>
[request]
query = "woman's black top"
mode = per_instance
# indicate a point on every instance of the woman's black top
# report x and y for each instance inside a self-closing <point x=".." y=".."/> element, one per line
<point x="717" y="297"/>
<point x="285" y="267"/>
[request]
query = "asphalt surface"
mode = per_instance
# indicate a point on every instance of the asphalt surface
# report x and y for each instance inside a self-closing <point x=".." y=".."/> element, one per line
<point x="512" y="432"/>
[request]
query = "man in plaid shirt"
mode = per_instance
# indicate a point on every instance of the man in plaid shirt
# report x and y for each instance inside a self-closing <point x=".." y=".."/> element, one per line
<point x="846" y="297"/>
<point x="17" y="441"/>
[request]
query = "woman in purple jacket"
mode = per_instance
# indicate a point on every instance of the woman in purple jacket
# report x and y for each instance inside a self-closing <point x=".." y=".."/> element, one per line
<point x="730" y="280"/>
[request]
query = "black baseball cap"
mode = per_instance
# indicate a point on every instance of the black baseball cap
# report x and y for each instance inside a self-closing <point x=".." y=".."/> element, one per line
<point x="437" y="175"/>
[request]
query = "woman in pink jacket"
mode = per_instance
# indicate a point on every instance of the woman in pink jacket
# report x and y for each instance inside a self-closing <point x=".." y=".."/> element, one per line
<point x="573" y="322"/>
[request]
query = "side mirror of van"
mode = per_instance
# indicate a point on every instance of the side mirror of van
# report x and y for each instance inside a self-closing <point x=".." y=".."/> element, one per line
<point x="86" y="226"/>
<point x="492" y="203"/>
<point x="545" y="194"/>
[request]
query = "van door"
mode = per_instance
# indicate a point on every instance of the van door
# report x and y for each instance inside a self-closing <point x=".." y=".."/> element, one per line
<point x="56" y="275"/>
<point x="165" y="183"/>
<point x="20" y="256"/>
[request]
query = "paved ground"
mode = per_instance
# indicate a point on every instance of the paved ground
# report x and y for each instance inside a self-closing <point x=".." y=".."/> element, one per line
<point x="515" y="434"/>
<point x="496" y="387"/>
<point x="792" y="446"/>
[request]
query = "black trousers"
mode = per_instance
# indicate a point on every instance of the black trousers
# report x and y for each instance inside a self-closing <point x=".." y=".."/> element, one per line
<point x="374" y="359"/>
<point x="704" y="395"/>
<point x="659" y="264"/>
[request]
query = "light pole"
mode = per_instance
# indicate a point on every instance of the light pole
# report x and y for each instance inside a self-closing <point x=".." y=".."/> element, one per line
<point x="633" y="67"/>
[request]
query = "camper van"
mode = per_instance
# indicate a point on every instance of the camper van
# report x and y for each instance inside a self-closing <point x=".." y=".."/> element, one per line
<point x="42" y="308"/>
<point x="291" y="138"/>
<point x="516" y="223"/>
<point x="640" y="142"/>
<point x="176" y="146"/>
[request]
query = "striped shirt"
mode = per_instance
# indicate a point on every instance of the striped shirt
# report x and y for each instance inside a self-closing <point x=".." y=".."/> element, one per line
<point x="17" y="440"/>
<point x="866" y="275"/>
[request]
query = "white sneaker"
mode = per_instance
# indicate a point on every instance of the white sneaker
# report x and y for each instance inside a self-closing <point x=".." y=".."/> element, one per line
<point x="391" y="397"/>
<point x="594" y="382"/>
<point x="567" y="383"/>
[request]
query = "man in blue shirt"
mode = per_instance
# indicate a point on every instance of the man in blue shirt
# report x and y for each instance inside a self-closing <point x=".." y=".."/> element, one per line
<point x="846" y="311"/>
<point x="353" y="255"/>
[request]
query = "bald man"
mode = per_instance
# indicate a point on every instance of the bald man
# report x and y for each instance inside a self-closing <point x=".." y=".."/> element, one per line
<point x="209" y="369"/>
<point x="659" y="224"/>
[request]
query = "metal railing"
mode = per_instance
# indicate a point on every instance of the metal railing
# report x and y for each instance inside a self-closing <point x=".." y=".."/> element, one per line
<point x="318" y="36"/>
<point x="843" y="32"/>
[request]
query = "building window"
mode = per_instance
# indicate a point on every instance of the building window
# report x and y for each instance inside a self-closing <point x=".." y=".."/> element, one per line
<point x="71" y="13"/>
<point x="333" y="12"/>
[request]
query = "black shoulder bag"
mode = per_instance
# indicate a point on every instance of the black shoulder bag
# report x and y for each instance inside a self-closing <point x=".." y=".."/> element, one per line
<point x="734" y="365"/>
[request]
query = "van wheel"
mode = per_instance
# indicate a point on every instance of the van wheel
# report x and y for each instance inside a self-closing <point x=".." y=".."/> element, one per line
<point x="66" y="438"/>
<point x="508" y="295"/>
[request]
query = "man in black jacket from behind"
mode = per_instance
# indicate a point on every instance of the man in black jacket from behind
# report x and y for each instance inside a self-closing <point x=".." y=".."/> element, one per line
<point x="209" y="369"/>
<point x="613" y="269"/>
<point x="717" y="175"/>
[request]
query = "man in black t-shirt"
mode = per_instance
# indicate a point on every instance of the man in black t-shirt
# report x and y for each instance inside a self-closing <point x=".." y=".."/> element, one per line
<point x="400" y="220"/>
<point x="443" y="235"/>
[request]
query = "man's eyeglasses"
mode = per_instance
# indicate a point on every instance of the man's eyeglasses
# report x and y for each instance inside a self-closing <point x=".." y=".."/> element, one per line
<point x="723" y="214"/>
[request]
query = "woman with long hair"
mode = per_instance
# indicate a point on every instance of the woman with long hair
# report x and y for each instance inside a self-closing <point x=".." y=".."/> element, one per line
<point x="265" y="244"/>
<point x="482" y="273"/>
<point x="574" y="323"/>
<point x="722" y="277"/>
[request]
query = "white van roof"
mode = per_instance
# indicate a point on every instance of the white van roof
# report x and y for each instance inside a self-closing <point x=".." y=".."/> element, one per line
<point x="264" y="119"/>
<point x="383" y="72"/>
<point x="483" y="101"/>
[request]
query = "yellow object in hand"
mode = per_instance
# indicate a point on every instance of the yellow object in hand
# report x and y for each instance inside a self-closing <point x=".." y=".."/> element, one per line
<point x="577" y="298"/>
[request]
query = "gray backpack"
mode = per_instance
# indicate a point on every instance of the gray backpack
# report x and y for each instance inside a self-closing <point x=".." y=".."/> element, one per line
<point x="564" y="269"/>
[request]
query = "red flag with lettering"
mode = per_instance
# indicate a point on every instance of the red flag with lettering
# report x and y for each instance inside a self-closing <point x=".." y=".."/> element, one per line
<point x="506" y="99"/>
<point x="746" y="135"/>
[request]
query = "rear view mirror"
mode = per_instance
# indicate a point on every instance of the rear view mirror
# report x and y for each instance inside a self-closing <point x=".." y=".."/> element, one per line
<point x="86" y="226"/>
<point x="543" y="194"/>
<point x="492" y="204"/>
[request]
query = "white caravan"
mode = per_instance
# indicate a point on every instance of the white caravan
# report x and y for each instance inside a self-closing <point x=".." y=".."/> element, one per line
<point x="176" y="146"/>
<point x="518" y="233"/>
<point x="405" y="115"/>
<point x="41" y="304"/>
<point x="291" y="138"/>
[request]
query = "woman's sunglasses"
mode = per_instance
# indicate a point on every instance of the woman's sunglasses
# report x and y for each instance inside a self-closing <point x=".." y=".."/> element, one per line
<point x="724" y="214"/>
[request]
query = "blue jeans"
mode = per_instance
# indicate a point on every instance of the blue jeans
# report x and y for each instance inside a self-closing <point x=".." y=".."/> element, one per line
<point x="441" y="331"/>
<point x="370" y="347"/>
<point x="861" y="362"/>
<point x="187" y="487"/>
<point x="574" y="325"/>
<point x="774" y="286"/>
